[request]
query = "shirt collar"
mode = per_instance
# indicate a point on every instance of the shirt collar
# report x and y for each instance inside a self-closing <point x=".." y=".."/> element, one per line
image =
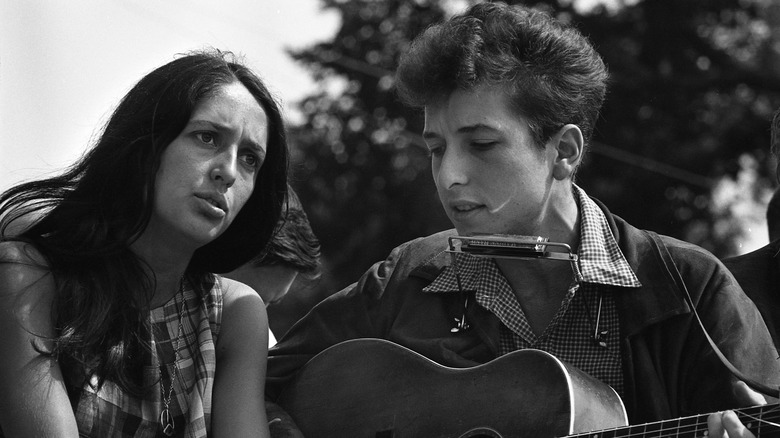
<point x="600" y="259"/>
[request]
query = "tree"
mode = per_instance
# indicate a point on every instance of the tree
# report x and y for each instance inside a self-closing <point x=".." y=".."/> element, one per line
<point x="361" y="171"/>
<point x="694" y="87"/>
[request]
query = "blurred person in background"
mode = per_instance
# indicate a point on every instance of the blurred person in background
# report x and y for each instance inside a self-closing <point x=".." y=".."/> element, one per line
<point x="758" y="272"/>
<point x="773" y="214"/>
<point x="291" y="258"/>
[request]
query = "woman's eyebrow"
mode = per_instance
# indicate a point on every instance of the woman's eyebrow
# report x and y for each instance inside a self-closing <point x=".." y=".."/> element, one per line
<point x="224" y="128"/>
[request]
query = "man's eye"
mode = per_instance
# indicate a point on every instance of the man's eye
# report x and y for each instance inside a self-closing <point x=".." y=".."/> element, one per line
<point x="483" y="144"/>
<point x="206" y="137"/>
<point x="435" y="151"/>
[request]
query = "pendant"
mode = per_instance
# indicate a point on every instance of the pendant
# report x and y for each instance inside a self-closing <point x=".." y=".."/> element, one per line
<point x="460" y="325"/>
<point x="166" y="422"/>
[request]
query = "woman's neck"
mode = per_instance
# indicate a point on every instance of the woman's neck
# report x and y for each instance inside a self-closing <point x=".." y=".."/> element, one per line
<point x="166" y="287"/>
<point x="166" y="265"/>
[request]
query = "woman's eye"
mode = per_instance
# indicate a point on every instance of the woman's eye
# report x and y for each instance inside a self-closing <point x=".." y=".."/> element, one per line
<point x="252" y="160"/>
<point x="206" y="137"/>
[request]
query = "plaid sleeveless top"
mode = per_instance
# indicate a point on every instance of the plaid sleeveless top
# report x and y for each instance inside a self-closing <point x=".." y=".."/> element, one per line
<point x="112" y="412"/>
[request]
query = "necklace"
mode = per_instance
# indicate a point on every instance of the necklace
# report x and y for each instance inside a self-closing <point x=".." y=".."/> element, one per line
<point x="166" y="419"/>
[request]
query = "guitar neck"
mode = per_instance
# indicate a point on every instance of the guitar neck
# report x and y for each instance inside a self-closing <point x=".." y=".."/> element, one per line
<point x="761" y="420"/>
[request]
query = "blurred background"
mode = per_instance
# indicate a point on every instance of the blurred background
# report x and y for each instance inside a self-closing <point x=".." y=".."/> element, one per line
<point x="682" y="146"/>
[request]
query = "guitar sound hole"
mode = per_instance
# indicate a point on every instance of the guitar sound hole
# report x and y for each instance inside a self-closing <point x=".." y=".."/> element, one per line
<point x="481" y="432"/>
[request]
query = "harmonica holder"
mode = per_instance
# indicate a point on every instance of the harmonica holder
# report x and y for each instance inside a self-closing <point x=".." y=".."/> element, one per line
<point x="505" y="246"/>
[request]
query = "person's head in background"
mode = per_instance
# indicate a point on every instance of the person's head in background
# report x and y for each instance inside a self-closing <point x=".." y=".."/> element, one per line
<point x="773" y="209"/>
<point x="773" y="216"/>
<point x="293" y="251"/>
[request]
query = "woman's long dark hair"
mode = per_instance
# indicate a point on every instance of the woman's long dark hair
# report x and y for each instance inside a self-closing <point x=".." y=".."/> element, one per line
<point x="86" y="218"/>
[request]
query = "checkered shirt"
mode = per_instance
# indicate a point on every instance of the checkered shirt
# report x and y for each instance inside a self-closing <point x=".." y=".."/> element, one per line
<point x="112" y="412"/>
<point x="570" y="334"/>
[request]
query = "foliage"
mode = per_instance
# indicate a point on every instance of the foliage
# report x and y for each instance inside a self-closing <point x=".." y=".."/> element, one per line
<point x="694" y="84"/>
<point x="362" y="174"/>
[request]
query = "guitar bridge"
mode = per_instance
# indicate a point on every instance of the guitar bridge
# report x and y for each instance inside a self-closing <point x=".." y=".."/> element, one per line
<point x="511" y="247"/>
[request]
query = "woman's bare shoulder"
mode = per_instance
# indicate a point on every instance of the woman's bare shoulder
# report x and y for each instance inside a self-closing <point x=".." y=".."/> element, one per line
<point x="244" y="319"/>
<point x="30" y="380"/>
<point x="23" y="268"/>
<point x="14" y="251"/>
<point x="234" y="291"/>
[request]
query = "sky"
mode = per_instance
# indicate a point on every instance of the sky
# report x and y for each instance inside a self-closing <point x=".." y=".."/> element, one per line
<point x="64" y="65"/>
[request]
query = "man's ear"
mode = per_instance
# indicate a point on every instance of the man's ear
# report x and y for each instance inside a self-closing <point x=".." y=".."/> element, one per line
<point x="569" y="146"/>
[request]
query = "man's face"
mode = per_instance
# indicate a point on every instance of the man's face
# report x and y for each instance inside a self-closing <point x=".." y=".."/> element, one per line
<point x="490" y="174"/>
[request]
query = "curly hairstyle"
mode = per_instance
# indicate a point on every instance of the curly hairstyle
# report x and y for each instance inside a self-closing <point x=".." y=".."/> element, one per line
<point x="552" y="74"/>
<point x="87" y="217"/>
<point x="294" y="243"/>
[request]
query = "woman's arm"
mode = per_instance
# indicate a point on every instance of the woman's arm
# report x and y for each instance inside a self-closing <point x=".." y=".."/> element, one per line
<point x="34" y="401"/>
<point x="242" y="349"/>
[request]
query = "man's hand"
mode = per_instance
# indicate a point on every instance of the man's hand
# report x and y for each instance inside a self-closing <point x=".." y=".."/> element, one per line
<point x="280" y="423"/>
<point x="727" y="424"/>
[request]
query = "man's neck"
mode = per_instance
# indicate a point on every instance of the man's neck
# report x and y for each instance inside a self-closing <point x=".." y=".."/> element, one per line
<point x="539" y="286"/>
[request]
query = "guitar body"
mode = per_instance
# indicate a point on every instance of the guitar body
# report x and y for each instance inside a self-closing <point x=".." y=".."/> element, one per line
<point x="378" y="389"/>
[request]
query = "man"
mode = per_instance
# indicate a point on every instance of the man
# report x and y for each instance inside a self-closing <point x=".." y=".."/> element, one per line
<point x="773" y="216"/>
<point x="293" y="253"/>
<point x="758" y="272"/>
<point x="510" y="98"/>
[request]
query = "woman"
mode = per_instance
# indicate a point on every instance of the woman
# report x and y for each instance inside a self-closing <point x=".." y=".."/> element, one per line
<point x="111" y="322"/>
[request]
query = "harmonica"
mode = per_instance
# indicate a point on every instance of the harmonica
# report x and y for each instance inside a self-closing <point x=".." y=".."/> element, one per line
<point x="511" y="246"/>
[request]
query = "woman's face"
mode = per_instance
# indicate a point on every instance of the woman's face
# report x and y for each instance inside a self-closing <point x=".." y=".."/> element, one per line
<point x="208" y="172"/>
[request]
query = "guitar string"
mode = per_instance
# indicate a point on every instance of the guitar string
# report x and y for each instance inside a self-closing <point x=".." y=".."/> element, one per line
<point x="699" y="425"/>
<point x="761" y="420"/>
<point x="631" y="428"/>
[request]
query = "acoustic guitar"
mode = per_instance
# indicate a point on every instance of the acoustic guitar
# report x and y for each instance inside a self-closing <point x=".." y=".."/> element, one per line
<point x="374" y="388"/>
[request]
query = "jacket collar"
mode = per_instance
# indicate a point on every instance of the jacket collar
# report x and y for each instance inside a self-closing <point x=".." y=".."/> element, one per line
<point x="659" y="297"/>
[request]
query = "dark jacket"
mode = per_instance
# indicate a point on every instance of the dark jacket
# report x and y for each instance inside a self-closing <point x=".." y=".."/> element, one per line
<point x="758" y="273"/>
<point x="670" y="370"/>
